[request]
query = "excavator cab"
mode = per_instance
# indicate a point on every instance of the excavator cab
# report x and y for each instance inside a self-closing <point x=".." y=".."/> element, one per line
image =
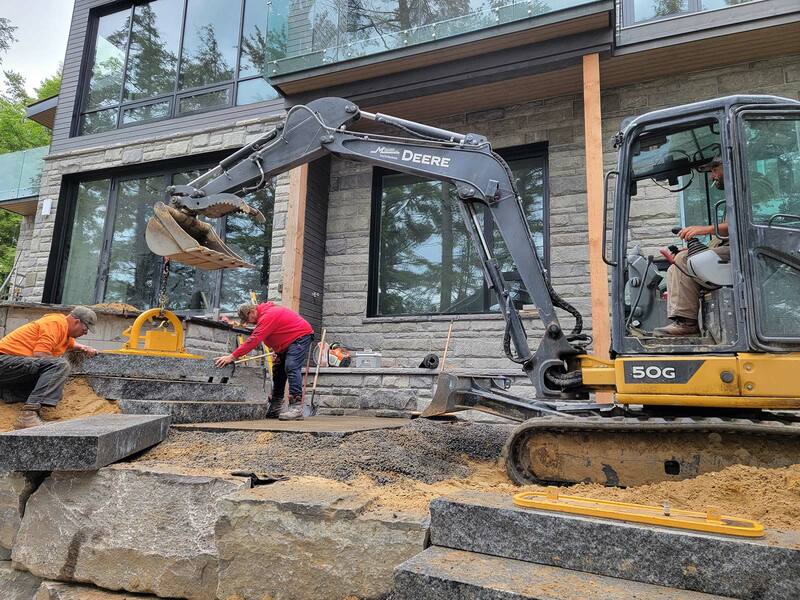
<point x="731" y="166"/>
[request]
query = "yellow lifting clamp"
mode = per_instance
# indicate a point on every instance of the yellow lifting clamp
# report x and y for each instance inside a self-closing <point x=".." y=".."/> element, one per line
<point x="710" y="521"/>
<point x="157" y="341"/>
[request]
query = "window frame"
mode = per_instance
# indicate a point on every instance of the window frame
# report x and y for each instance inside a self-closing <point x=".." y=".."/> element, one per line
<point x="527" y="151"/>
<point x="59" y="253"/>
<point x="174" y="97"/>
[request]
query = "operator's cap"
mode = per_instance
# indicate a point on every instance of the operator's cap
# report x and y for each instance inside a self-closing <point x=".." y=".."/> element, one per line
<point x="715" y="161"/>
<point x="86" y="316"/>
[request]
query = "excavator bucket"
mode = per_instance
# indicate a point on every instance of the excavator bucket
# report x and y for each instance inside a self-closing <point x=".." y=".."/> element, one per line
<point x="180" y="237"/>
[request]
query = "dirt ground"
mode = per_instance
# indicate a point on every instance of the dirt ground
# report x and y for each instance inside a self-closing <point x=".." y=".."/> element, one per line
<point x="406" y="468"/>
<point x="79" y="401"/>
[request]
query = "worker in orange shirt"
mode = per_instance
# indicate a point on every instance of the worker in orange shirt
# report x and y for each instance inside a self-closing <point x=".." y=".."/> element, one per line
<point x="32" y="367"/>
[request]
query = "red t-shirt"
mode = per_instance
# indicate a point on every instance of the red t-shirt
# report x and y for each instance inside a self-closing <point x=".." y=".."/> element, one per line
<point x="277" y="327"/>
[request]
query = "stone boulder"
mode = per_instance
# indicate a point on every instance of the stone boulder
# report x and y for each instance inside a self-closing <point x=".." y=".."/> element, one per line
<point x="17" y="585"/>
<point x="15" y="488"/>
<point x="50" y="590"/>
<point x="126" y="528"/>
<point x="309" y="538"/>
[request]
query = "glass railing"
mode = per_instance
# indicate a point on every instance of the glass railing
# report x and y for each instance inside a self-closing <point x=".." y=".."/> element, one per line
<point x="20" y="173"/>
<point x="314" y="33"/>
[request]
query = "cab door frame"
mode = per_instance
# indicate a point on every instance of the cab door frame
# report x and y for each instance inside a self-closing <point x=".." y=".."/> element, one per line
<point x="771" y="240"/>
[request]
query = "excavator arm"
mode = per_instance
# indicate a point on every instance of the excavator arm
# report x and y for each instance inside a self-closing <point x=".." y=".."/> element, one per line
<point x="465" y="160"/>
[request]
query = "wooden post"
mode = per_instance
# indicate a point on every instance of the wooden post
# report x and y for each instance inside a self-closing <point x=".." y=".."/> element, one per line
<point x="295" y="236"/>
<point x="598" y="273"/>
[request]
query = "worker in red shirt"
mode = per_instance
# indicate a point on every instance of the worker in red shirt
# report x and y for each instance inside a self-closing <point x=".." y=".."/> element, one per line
<point x="288" y="335"/>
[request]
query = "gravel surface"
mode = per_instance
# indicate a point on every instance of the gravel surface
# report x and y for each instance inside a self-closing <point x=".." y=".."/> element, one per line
<point x="427" y="451"/>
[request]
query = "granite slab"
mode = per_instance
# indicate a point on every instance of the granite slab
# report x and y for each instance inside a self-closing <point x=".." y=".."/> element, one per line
<point x="118" y="388"/>
<point x="444" y="574"/>
<point x="192" y="411"/>
<point x="80" y="444"/>
<point x="746" y="568"/>
<point x="317" y="425"/>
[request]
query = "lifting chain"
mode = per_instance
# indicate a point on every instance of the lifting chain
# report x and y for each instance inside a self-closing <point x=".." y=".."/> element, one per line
<point x="162" y="286"/>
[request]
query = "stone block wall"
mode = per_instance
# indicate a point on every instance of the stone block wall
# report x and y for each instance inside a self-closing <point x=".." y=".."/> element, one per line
<point x="476" y="341"/>
<point x="393" y="392"/>
<point x="126" y="532"/>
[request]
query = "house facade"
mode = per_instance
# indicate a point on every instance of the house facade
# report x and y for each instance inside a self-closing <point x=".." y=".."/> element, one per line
<point x="156" y="92"/>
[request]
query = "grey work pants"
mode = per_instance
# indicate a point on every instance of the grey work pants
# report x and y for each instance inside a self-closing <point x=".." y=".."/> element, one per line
<point x="33" y="379"/>
<point x="683" y="291"/>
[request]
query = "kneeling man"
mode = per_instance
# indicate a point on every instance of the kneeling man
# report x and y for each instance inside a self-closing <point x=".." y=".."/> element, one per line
<point x="33" y="369"/>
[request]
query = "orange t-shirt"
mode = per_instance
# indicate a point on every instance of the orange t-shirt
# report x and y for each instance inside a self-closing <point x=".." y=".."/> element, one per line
<point x="48" y="334"/>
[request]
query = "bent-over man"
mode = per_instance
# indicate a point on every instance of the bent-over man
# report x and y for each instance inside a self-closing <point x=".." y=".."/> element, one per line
<point x="32" y="367"/>
<point x="288" y="335"/>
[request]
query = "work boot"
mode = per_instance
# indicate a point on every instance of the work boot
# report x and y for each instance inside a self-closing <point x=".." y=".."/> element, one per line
<point x="294" y="412"/>
<point x="274" y="410"/>
<point x="678" y="328"/>
<point x="28" y="417"/>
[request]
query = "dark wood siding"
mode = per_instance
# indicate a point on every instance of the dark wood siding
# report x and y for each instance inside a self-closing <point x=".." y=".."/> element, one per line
<point x="319" y="177"/>
<point x="75" y="63"/>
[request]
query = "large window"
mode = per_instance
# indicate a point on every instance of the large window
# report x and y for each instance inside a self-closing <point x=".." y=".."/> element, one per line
<point x="167" y="58"/>
<point x="642" y="11"/>
<point x="423" y="258"/>
<point x="107" y="258"/>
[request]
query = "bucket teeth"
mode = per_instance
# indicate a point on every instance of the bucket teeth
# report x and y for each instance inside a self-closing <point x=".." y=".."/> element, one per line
<point x="178" y="236"/>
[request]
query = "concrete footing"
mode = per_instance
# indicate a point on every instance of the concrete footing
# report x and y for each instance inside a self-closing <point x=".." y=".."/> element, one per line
<point x="442" y="573"/>
<point x="80" y="444"/>
<point x="749" y="569"/>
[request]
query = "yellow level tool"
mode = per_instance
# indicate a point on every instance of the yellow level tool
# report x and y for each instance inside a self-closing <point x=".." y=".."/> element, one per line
<point x="710" y="521"/>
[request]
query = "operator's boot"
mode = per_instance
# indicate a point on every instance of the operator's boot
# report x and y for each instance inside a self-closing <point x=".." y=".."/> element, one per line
<point x="294" y="412"/>
<point x="29" y="416"/>
<point x="678" y="328"/>
<point x="275" y="405"/>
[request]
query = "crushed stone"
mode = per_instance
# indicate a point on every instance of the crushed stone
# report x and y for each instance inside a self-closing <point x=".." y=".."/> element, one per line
<point x="424" y="450"/>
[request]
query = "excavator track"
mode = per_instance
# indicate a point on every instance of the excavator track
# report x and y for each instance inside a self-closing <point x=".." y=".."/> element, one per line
<point x="629" y="451"/>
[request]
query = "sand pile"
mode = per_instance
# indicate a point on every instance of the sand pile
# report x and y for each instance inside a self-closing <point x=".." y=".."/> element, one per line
<point x="79" y="401"/>
<point x="405" y="469"/>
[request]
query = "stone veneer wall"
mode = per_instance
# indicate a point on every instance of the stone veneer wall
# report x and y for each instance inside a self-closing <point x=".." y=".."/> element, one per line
<point x="559" y="122"/>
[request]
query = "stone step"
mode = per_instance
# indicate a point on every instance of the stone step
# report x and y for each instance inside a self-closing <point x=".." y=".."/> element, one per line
<point x="446" y="574"/>
<point x="751" y="569"/>
<point x="192" y="411"/>
<point x="116" y="388"/>
<point x="80" y="444"/>
<point x="158" y="367"/>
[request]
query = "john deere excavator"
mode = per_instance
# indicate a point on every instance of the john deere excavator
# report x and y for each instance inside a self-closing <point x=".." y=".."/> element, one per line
<point x="682" y="405"/>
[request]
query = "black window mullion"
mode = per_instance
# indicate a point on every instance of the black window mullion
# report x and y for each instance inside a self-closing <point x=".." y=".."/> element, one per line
<point x="176" y="88"/>
<point x="238" y="53"/>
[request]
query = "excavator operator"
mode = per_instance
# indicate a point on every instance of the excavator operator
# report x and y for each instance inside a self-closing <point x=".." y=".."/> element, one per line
<point x="683" y="290"/>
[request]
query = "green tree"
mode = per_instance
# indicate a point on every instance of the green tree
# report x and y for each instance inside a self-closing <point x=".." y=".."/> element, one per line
<point x="19" y="133"/>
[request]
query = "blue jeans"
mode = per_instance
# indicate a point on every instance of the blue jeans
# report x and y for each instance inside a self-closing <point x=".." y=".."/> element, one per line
<point x="290" y="366"/>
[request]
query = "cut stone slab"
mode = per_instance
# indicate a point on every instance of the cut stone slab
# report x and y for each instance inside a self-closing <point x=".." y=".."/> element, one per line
<point x="17" y="585"/>
<point x="117" y="388"/>
<point x="311" y="539"/>
<point x="319" y="424"/>
<point x="126" y="528"/>
<point x="51" y="590"/>
<point x="444" y="574"/>
<point x="190" y="411"/>
<point x="15" y="489"/>
<point x="161" y="367"/>
<point x="80" y="444"/>
<point x="750" y="569"/>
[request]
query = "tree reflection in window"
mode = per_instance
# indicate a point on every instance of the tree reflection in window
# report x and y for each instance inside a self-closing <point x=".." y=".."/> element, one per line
<point x="426" y="261"/>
